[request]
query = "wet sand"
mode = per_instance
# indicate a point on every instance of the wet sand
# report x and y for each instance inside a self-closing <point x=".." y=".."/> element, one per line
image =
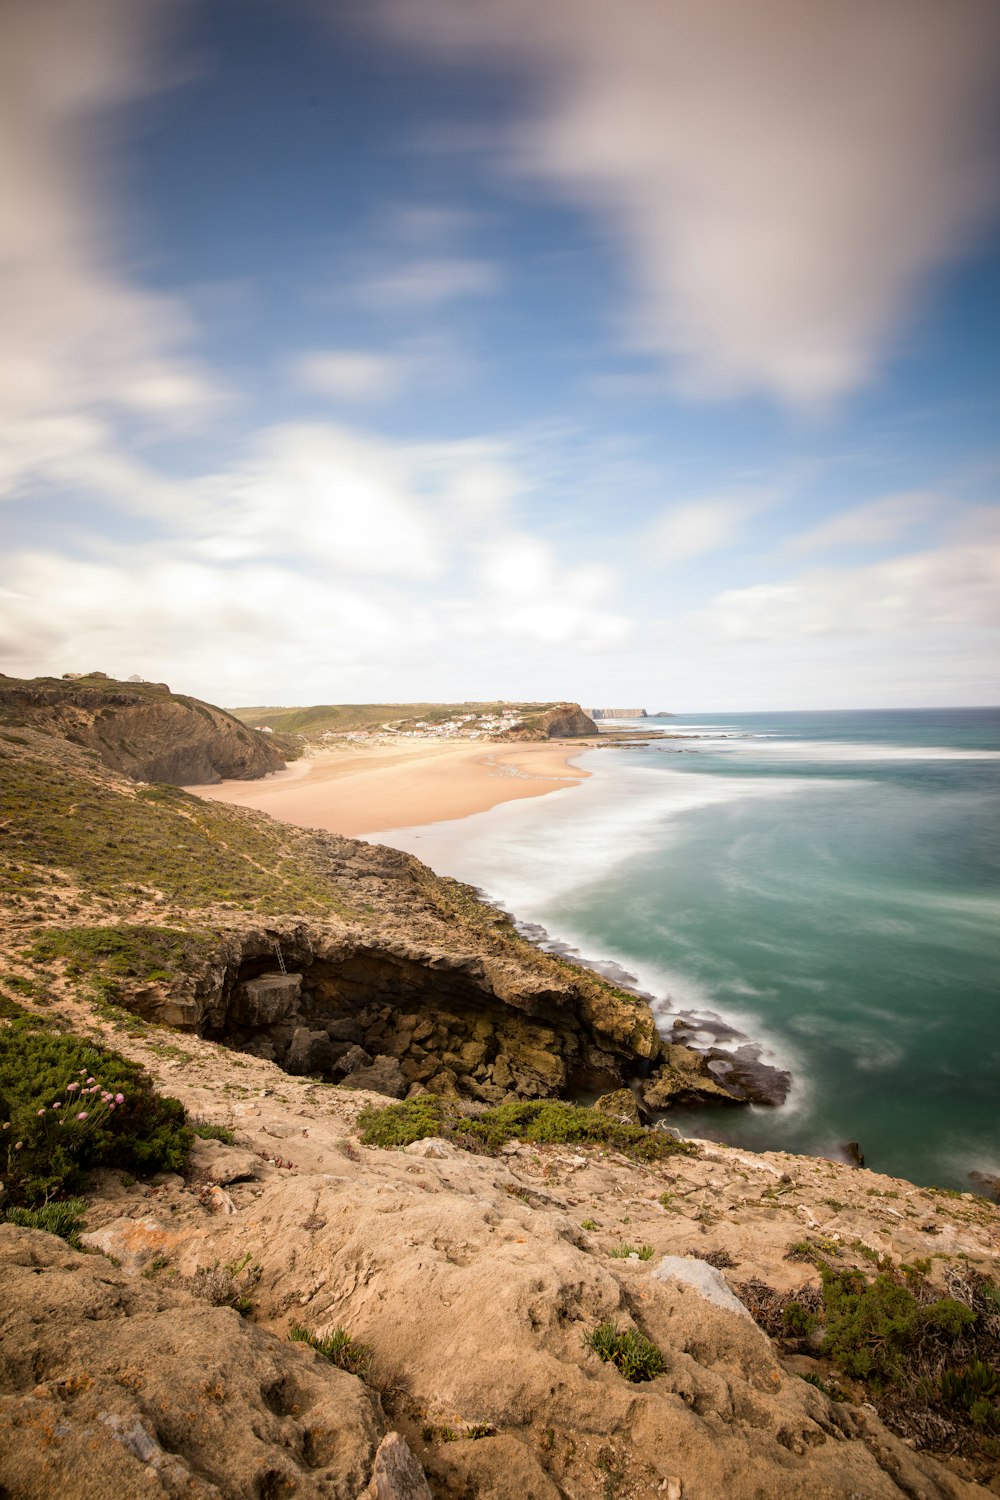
<point x="356" y="788"/>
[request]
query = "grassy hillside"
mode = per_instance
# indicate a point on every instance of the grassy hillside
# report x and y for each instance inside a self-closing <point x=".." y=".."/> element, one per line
<point x="347" y="717"/>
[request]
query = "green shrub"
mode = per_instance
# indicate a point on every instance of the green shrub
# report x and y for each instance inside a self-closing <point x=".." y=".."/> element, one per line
<point x="64" y="1219"/>
<point x="339" y="1348"/>
<point x="398" y="1125"/>
<point x="539" y="1120"/>
<point x="67" y="1105"/>
<point x="974" y="1389"/>
<point x="874" y="1328"/>
<point x="799" y="1320"/>
<point x="629" y="1351"/>
<point x="626" y="1252"/>
<point x="206" y="1132"/>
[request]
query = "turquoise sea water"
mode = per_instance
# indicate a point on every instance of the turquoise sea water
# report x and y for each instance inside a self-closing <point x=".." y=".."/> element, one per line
<point x="829" y="883"/>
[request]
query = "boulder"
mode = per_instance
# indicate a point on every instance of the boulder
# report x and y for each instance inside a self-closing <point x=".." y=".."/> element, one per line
<point x="396" y="1474"/>
<point x="309" y="1053"/>
<point x="383" y="1077"/>
<point x="619" y="1105"/>
<point x="265" y="1000"/>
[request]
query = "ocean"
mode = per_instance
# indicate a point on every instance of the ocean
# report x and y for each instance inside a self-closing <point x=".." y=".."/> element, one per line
<point x="826" y="883"/>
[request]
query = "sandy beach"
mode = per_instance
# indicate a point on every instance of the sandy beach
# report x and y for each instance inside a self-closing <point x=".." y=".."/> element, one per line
<point x="358" y="789"/>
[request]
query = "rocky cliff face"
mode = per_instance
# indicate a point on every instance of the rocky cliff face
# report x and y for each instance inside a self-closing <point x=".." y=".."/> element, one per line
<point x="141" y="729"/>
<point x="564" y="721"/>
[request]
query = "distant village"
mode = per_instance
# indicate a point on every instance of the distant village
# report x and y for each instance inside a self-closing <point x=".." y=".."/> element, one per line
<point x="462" y="726"/>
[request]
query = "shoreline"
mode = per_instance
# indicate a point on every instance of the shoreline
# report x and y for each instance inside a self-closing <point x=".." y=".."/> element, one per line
<point x="354" y="790"/>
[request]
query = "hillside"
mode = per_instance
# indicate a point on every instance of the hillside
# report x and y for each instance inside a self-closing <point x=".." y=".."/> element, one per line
<point x="537" y="720"/>
<point x="141" y="729"/>
<point x="476" y="1291"/>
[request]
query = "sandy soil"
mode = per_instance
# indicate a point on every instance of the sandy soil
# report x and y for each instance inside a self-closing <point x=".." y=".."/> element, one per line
<point x="357" y="789"/>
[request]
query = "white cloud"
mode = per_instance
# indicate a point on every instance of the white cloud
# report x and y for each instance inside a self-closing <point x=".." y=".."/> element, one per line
<point x="783" y="176"/>
<point x="950" y="588"/>
<point x="867" y="525"/>
<point x="700" y="526"/>
<point x="350" y="374"/>
<point x="431" y="282"/>
<point x="321" y="492"/>
<point x="527" y="593"/>
<point x="77" y="335"/>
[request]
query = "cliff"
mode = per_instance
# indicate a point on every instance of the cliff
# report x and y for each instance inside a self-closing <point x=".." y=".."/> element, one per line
<point x="561" y="721"/>
<point x="470" y="1279"/>
<point x="175" y="905"/>
<point x="141" y="729"/>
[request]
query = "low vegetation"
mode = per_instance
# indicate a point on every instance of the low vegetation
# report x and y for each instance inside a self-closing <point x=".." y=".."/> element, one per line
<point x="67" y="1105"/>
<point x="339" y="1348"/>
<point x="631" y="1353"/>
<point x="109" y="957"/>
<point x="929" y="1363"/>
<point x="64" y="1219"/>
<point x="106" y="839"/>
<point x="544" y="1121"/>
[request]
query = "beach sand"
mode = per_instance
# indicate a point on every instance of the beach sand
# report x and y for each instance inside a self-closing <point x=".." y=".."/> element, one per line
<point x="359" y="789"/>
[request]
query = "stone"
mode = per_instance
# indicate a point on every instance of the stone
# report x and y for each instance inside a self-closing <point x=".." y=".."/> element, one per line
<point x="214" y="1161"/>
<point x="853" y="1153"/>
<point x="432" y="1146"/>
<point x="309" y="1052"/>
<point x="351" y="1060"/>
<point x="986" y="1185"/>
<point x="703" y="1279"/>
<point x="266" y="1000"/>
<point x="383" y="1077"/>
<point x="396" y="1474"/>
<point x="619" y="1105"/>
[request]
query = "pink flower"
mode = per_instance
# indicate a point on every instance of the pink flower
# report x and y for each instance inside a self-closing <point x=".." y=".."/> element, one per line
<point x="83" y="1072"/>
<point x="6" y="1124"/>
<point x="112" y="1104"/>
<point x="82" y="1115"/>
<point x="40" y="1111"/>
<point x="90" y="1080"/>
<point x="71" y="1086"/>
<point x="119" y="1098"/>
<point x="18" y="1145"/>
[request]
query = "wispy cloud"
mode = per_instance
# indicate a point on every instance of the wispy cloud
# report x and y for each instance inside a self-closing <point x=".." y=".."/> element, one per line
<point x="948" y="588"/>
<point x="867" y="525"/>
<point x="430" y="282"/>
<point x="701" y="526"/>
<point x="783" y="178"/>
<point x="350" y="374"/>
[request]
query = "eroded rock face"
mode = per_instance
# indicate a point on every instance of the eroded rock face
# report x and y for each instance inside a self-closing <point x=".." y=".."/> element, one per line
<point x="143" y="729"/>
<point x="111" y="1387"/>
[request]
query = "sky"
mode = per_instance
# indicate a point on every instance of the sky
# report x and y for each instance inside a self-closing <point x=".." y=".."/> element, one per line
<point x="388" y="350"/>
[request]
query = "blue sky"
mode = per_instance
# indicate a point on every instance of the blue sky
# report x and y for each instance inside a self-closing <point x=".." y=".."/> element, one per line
<point x="414" y="349"/>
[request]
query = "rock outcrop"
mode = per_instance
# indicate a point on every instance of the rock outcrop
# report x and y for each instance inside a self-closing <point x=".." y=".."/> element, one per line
<point x="141" y="729"/>
<point x="474" y="1282"/>
<point x="111" y="1387"/>
<point x="563" y="722"/>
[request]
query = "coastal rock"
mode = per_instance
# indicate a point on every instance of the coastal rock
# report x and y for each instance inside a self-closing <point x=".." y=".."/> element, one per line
<point x="265" y="1000"/>
<point x="683" y="1079"/>
<point x="620" y="1105"/>
<point x="986" y="1185"/>
<point x="214" y="1161"/>
<point x="309" y="1052"/>
<point x="142" y="730"/>
<point x="141" y="1390"/>
<point x="853" y="1153"/>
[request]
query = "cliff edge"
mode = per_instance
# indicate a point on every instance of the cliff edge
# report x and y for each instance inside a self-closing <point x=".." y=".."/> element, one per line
<point x="141" y="729"/>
